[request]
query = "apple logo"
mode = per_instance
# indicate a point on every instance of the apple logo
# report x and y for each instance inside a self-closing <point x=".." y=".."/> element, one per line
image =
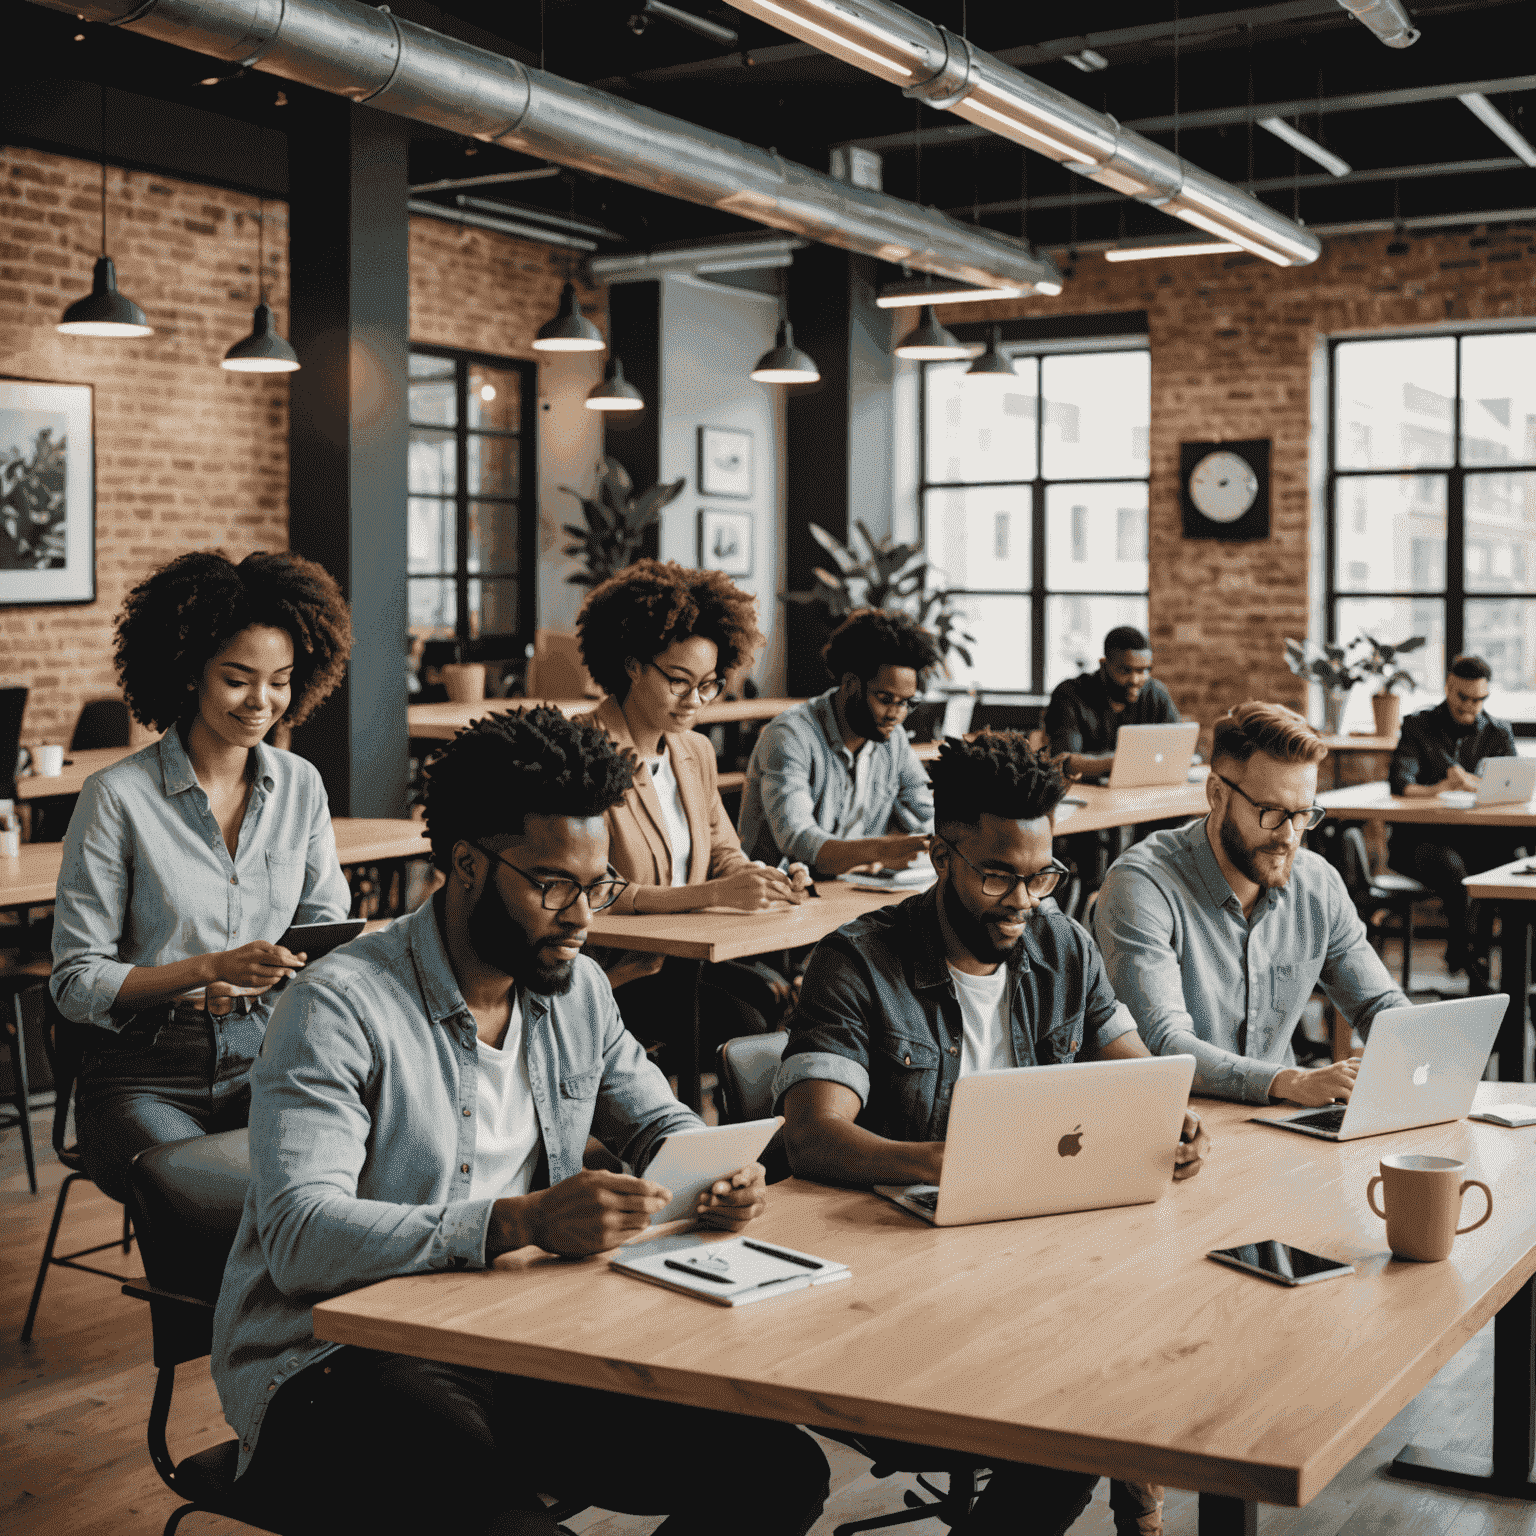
<point x="1157" y="757"/>
<point x="1421" y="1075"/>
<point x="1070" y="1145"/>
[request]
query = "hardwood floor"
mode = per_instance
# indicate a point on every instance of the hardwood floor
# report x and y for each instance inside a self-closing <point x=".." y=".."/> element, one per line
<point x="73" y="1460"/>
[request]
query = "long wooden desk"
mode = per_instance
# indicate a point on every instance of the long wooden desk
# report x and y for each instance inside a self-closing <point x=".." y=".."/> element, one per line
<point x="78" y="767"/>
<point x="1376" y="802"/>
<point x="1514" y="894"/>
<point x="439" y="722"/>
<point x="1101" y="1341"/>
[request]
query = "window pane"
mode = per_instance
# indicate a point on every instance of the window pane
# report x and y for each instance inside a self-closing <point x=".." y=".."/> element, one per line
<point x="1075" y="628"/>
<point x="1394" y="402"/>
<point x="1503" y="632"/>
<point x="978" y="430"/>
<point x="979" y="538"/>
<point x="1000" y="654"/>
<point x="432" y="390"/>
<point x="1393" y="619"/>
<point x="1501" y="532"/>
<point x="1096" y="538"/>
<point x="1098" y="413"/>
<point x="430" y="607"/>
<point x="492" y="537"/>
<point x="495" y="399"/>
<point x="492" y="608"/>
<point x="1390" y="533"/>
<point x="494" y="465"/>
<point x="431" y="465"/>
<point x="1498" y="399"/>
<point x="429" y="536"/>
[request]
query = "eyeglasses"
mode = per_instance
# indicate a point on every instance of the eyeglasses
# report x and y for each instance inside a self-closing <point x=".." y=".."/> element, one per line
<point x="557" y="895"/>
<point x="995" y="883"/>
<point x="1273" y="817"/>
<point x="891" y="701"/>
<point x="681" y="687"/>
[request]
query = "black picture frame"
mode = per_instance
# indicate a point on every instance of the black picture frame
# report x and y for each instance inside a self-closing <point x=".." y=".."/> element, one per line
<point x="1254" y="523"/>
<point x="725" y="540"/>
<point x="726" y="463"/>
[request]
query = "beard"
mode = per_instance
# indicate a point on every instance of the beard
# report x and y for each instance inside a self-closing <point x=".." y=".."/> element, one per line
<point x="1119" y="693"/>
<point x="501" y="943"/>
<point x="973" y="932"/>
<point x="860" y="721"/>
<point x="1271" y="875"/>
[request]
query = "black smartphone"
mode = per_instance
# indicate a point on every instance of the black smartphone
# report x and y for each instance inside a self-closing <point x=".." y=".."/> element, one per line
<point x="1281" y="1263"/>
<point x="315" y="939"/>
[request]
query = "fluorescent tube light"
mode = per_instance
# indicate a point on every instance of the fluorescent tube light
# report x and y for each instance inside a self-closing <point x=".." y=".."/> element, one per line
<point x="1329" y="161"/>
<point x="913" y="293"/>
<point x="799" y="23"/>
<point x="1490" y="117"/>
<point x="1173" y="248"/>
<point x="1013" y="125"/>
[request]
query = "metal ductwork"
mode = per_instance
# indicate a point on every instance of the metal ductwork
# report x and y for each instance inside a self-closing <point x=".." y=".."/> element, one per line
<point x="931" y="63"/>
<point x="1386" y="18"/>
<point x="352" y="50"/>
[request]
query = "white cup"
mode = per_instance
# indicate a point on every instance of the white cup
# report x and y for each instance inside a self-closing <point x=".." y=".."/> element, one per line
<point x="10" y="843"/>
<point x="49" y="759"/>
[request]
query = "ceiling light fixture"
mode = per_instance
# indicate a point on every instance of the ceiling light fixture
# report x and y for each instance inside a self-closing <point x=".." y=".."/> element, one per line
<point x="1283" y="131"/>
<point x="1170" y="248"/>
<point x="1490" y="117"/>
<point x="615" y="393"/>
<point x="785" y="363"/>
<point x="1087" y="60"/>
<point x="570" y="330"/>
<point x="929" y="342"/>
<point x="914" y="292"/>
<point x="836" y="39"/>
<point x="994" y="365"/>
<point x="265" y="350"/>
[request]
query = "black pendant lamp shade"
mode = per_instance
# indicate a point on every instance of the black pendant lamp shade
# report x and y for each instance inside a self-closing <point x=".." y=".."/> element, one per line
<point x="263" y="351"/>
<point x="994" y="363"/>
<point x="104" y="311"/>
<point x="929" y="342"/>
<point x="570" y="330"/>
<point x="615" y="393"/>
<point x="786" y="363"/>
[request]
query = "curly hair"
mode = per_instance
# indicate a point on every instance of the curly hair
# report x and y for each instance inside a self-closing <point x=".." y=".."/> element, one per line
<point x="871" y="638"/>
<point x="996" y="772"/>
<point x="1272" y="729"/>
<point x="526" y="762"/>
<point x="651" y="605"/>
<point x="176" y="621"/>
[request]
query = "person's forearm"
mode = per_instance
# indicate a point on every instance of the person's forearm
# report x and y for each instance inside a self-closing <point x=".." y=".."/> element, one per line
<point x="1090" y="767"/>
<point x="511" y="1225"/>
<point x="832" y="1150"/>
<point x="1284" y="1085"/>
<point x="656" y="899"/>
<point x="840" y="854"/>
<point x="146" y="985"/>
<point x="1422" y="791"/>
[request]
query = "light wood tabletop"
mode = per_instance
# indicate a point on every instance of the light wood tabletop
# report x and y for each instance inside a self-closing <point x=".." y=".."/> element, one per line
<point x="78" y="767"/>
<point x="1502" y="884"/>
<point x="1105" y="807"/>
<point x="1099" y="1341"/>
<point x="439" y="722"/>
<point x="1376" y="802"/>
<point x="1353" y="743"/>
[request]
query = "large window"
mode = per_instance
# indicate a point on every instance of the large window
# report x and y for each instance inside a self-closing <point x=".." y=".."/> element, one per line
<point x="1034" y="507"/>
<point x="1432" y="491"/>
<point x="469" y="565"/>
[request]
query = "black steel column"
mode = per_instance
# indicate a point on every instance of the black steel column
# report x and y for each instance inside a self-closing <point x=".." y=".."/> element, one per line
<point x="349" y="323"/>
<point x="634" y="437"/>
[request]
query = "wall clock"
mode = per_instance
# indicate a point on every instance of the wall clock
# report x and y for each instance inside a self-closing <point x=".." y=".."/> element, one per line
<point x="1224" y="490"/>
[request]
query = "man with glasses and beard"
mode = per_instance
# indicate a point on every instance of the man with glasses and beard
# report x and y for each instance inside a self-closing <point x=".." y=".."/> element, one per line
<point x="979" y="972"/>
<point x="1216" y="933"/>
<point x="422" y="1102"/>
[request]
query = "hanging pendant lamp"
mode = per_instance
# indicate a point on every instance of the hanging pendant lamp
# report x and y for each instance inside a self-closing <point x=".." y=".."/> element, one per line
<point x="786" y="363"/>
<point x="615" y="393"/>
<point x="929" y="342"/>
<point x="264" y="350"/>
<point x="570" y="330"/>
<point x="994" y="363"/>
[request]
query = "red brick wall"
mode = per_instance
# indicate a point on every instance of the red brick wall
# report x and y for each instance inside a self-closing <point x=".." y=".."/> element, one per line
<point x="188" y="456"/>
<point x="1233" y="343"/>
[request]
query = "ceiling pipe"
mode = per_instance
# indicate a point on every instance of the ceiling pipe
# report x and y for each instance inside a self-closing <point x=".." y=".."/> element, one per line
<point x="694" y="260"/>
<point x="349" y="49"/>
<point x="430" y="210"/>
<point x="1386" y="18"/>
<point x="932" y="64"/>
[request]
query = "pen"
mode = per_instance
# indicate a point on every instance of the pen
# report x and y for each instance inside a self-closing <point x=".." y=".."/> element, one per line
<point x="778" y="1253"/>
<point x="698" y="1274"/>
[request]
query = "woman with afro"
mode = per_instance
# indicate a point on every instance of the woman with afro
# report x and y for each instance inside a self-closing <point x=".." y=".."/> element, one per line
<point x="185" y="862"/>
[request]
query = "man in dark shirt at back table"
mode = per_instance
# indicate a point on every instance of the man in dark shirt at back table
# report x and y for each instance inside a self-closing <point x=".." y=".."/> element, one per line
<point x="1440" y="749"/>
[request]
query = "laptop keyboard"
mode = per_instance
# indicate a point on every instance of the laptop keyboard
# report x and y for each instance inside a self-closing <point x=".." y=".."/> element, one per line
<point x="1323" y="1119"/>
<point x="927" y="1198"/>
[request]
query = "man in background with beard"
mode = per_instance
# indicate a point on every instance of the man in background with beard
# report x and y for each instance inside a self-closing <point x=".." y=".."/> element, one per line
<point x="979" y="972"/>
<point x="422" y="1103"/>
<point x="1215" y="934"/>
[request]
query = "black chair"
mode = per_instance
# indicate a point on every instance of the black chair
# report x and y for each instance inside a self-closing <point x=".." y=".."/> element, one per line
<point x="61" y="1040"/>
<point x="13" y="705"/>
<point x="1388" y="891"/>
<point x="101" y="723"/>
<point x="1006" y="717"/>
<point x="25" y="991"/>
<point x="925" y="717"/>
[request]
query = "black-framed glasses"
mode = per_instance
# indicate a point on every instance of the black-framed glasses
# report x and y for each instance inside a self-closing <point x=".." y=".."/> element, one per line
<point x="557" y="895"/>
<point x="891" y="700"/>
<point x="1273" y="817"/>
<point x="995" y="883"/>
<point x="681" y="687"/>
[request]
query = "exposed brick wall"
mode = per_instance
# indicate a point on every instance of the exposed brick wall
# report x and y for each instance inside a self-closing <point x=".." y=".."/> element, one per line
<point x="187" y="455"/>
<point x="1233" y="341"/>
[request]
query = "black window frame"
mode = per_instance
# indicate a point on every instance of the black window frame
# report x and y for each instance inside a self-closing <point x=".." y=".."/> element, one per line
<point x="1454" y="592"/>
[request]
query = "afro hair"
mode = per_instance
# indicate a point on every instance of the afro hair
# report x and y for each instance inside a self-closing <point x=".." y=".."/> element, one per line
<point x="176" y="621"/>
<point x="527" y="762"/>
<point x="995" y="773"/>
<point x="651" y="605"/>
<point x="871" y="638"/>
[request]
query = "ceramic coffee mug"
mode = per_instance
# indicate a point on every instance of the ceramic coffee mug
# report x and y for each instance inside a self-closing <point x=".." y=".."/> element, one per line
<point x="48" y="760"/>
<point x="1423" y="1198"/>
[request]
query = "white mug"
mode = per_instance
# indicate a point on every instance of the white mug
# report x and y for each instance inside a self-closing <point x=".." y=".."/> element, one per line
<point x="49" y="760"/>
<point x="10" y="843"/>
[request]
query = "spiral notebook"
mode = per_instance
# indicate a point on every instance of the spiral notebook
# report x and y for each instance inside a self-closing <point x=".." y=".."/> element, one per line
<point x="731" y="1272"/>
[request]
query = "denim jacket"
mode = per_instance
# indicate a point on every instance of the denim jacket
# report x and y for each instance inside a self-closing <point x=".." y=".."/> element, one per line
<point x="879" y="1013"/>
<point x="362" y="1132"/>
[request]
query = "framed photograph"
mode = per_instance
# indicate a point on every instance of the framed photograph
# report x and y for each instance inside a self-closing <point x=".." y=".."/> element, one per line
<point x="47" y="493"/>
<point x="725" y="540"/>
<point x="725" y="462"/>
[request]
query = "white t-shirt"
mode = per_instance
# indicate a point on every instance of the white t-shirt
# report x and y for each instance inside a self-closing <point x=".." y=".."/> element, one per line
<point x="674" y="821"/>
<point x="507" y="1137"/>
<point x="986" y="1038"/>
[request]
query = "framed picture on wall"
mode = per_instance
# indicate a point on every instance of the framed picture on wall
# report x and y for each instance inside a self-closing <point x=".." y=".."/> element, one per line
<point x="725" y="540"/>
<point x="47" y="493"/>
<point x="725" y="462"/>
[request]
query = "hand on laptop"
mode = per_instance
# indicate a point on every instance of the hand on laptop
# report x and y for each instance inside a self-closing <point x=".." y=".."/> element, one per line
<point x="1194" y="1147"/>
<point x="731" y="1203"/>
<point x="1314" y="1086"/>
<point x="1457" y="777"/>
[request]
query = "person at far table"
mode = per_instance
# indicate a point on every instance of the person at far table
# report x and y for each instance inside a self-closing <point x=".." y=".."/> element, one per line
<point x="1444" y="748"/>
<point x="833" y="782"/>
<point x="1086" y="712"/>
<point x="422" y="1105"/>
<point x="186" y="862"/>
<point x="1216" y="933"/>
<point x="976" y="973"/>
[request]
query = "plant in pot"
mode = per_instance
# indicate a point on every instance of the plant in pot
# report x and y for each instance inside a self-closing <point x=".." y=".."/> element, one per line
<point x="1333" y="668"/>
<point x="617" y="520"/>
<point x="1379" y="662"/>
<point x="464" y="680"/>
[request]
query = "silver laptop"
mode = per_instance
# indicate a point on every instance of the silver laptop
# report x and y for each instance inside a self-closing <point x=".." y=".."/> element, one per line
<point x="1153" y="754"/>
<point x="1035" y="1141"/>
<point x="1504" y="781"/>
<point x="1421" y="1066"/>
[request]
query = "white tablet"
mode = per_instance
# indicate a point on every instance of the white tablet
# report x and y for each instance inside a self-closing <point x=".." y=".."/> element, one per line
<point x="690" y="1161"/>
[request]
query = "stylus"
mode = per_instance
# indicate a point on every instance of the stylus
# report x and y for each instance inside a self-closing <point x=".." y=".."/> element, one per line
<point x="698" y="1274"/>
<point x="778" y="1253"/>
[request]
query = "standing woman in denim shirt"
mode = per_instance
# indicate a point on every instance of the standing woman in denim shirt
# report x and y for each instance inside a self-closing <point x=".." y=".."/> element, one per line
<point x="184" y="863"/>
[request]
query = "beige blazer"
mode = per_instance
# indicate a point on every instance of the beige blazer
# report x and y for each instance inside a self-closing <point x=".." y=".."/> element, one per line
<point x="637" y="844"/>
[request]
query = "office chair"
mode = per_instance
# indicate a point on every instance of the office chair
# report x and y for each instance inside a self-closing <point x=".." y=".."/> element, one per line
<point x="25" y="991"/>
<point x="1388" y="891"/>
<point x="101" y="723"/>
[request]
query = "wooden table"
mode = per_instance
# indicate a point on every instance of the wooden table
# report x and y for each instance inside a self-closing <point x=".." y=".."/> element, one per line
<point x="439" y="722"/>
<point x="1376" y="802"/>
<point x="1514" y="894"/>
<point x="1356" y="743"/>
<point x="78" y="767"/>
<point x="1101" y="1341"/>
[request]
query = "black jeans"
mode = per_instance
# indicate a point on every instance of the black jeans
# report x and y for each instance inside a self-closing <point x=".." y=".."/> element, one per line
<point x="1442" y="864"/>
<point x="386" y="1443"/>
<point x="735" y="998"/>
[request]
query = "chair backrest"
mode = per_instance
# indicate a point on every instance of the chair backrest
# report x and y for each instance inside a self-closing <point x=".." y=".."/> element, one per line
<point x="101" y="723"/>
<point x="1356" y="862"/>
<point x="1005" y="717"/>
<point x="746" y="1066"/>
<point x="13" y="705"/>
<point x="925" y="717"/>
<point x="556" y="671"/>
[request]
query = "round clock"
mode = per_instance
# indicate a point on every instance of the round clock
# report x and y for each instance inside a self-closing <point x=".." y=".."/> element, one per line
<point x="1223" y="485"/>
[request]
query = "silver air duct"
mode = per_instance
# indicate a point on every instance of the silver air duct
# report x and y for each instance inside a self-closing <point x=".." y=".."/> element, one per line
<point x="1386" y="18"/>
<point x="933" y="64"/>
<point x="368" y="55"/>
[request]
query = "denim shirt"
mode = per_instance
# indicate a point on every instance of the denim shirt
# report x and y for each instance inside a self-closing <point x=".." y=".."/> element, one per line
<point x="363" y="1105"/>
<point x="879" y="1013"/>
<point x="147" y="878"/>
<point x="1201" y="979"/>
<point x="800" y="785"/>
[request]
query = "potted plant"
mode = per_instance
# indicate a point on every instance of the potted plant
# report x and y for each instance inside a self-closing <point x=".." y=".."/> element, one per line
<point x="1332" y="667"/>
<point x="617" y="521"/>
<point x="464" y="680"/>
<point x="1379" y="661"/>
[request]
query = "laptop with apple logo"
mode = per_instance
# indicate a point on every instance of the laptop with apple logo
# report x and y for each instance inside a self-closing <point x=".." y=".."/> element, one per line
<point x="1037" y="1141"/>
<point x="1420" y="1066"/>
